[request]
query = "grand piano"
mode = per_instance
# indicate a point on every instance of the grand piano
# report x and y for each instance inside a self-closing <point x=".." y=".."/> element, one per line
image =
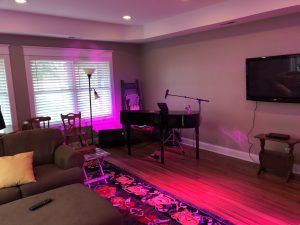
<point x="164" y="121"/>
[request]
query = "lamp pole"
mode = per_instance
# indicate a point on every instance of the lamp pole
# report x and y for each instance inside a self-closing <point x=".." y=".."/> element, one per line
<point x="89" y="72"/>
<point x="91" y="114"/>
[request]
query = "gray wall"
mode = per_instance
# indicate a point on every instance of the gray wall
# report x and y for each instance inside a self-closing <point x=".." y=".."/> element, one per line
<point x="211" y="65"/>
<point x="126" y="64"/>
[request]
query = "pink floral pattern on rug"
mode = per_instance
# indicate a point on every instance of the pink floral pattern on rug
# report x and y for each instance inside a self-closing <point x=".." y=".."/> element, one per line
<point x="143" y="203"/>
<point x="106" y="191"/>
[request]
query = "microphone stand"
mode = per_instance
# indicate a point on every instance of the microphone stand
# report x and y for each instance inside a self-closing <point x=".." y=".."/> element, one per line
<point x="200" y="118"/>
<point x="198" y="99"/>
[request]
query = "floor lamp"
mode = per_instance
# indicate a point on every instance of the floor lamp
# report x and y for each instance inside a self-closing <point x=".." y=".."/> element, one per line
<point x="89" y="72"/>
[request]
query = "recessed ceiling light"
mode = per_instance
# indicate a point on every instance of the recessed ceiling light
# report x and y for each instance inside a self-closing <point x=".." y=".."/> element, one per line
<point x="228" y="23"/>
<point x="21" y="1"/>
<point x="126" y="17"/>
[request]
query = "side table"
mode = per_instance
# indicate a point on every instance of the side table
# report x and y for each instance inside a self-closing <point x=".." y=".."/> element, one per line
<point x="99" y="156"/>
<point x="277" y="161"/>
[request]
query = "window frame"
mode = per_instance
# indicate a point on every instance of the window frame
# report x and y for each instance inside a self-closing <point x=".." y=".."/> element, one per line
<point x="4" y="53"/>
<point x="75" y="55"/>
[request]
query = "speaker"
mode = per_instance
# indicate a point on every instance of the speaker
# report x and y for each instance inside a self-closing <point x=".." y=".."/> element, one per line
<point x="113" y="137"/>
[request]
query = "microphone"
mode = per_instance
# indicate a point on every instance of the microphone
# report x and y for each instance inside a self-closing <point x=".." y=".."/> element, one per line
<point x="167" y="93"/>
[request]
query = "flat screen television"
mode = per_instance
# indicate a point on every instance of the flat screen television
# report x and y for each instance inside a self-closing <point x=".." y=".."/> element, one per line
<point x="273" y="78"/>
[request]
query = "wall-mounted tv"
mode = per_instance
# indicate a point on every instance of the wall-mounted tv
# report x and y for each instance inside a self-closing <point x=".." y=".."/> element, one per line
<point x="273" y="78"/>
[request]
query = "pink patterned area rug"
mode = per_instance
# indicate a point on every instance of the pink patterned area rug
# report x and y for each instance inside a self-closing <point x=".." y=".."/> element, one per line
<point x="143" y="203"/>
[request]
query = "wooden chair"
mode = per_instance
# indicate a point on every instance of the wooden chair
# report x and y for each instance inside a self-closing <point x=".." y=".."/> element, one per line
<point x="72" y="128"/>
<point x="36" y="123"/>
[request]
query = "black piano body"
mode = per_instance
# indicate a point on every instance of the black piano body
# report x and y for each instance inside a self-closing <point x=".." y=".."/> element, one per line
<point x="173" y="119"/>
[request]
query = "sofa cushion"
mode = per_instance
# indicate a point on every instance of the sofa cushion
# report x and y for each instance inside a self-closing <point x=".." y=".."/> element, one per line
<point x="49" y="176"/>
<point x="42" y="141"/>
<point x="16" y="170"/>
<point x="9" y="194"/>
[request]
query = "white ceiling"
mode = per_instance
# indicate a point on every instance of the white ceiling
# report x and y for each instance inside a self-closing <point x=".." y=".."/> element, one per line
<point x="111" y="11"/>
<point x="151" y="19"/>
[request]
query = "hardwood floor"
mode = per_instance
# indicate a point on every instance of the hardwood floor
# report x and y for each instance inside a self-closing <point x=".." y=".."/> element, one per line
<point x="227" y="187"/>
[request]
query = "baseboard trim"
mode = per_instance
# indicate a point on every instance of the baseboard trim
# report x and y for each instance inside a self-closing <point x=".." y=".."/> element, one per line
<point x="230" y="152"/>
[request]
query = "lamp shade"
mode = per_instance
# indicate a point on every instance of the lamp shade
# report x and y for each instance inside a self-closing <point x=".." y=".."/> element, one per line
<point x="96" y="95"/>
<point x="2" y="123"/>
<point x="89" y="71"/>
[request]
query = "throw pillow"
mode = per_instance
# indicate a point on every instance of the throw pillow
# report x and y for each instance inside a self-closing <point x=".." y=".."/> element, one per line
<point x="16" y="170"/>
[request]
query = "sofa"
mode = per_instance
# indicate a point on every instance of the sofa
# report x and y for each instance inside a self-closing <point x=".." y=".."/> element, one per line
<point x="73" y="204"/>
<point x="54" y="164"/>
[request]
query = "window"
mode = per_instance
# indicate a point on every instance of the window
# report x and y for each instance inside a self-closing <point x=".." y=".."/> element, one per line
<point x="60" y="85"/>
<point x="6" y="90"/>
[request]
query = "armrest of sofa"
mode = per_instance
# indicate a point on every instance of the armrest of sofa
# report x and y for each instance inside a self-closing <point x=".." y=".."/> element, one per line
<point x="65" y="157"/>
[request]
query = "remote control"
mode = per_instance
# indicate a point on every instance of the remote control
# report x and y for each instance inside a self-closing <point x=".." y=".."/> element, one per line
<point x="40" y="204"/>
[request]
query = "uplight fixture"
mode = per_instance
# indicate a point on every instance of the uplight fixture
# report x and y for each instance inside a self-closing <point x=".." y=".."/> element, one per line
<point x="127" y="17"/>
<point x="21" y="1"/>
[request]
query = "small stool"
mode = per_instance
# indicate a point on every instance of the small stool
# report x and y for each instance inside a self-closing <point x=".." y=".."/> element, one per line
<point x="99" y="156"/>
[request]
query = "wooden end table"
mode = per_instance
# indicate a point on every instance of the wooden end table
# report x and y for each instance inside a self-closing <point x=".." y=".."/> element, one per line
<point x="277" y="161"/>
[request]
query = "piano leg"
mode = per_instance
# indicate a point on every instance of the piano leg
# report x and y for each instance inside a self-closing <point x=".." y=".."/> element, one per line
<point x="162" y="153"/>
<point x="128" y="130"/>
<point x="197" y="141"/>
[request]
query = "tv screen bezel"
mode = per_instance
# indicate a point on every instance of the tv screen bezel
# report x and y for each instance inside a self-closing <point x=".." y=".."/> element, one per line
<point x="263" y="98"/>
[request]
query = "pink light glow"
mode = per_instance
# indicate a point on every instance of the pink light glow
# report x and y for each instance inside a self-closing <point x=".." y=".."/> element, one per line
<point x="237" y="136"/>
<point x="102" y="124"/>
<point x="107" y="125"/>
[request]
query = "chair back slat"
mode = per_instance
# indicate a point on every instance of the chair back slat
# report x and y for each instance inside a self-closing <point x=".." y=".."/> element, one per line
<point x="71" y="121"/>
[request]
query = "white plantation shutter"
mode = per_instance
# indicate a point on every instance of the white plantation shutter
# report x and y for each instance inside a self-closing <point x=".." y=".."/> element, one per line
<point x="61" y="86"/>
<point x="4" y="96"/>
<point x="101" y="81"/>
<point x="53" y="88"/>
